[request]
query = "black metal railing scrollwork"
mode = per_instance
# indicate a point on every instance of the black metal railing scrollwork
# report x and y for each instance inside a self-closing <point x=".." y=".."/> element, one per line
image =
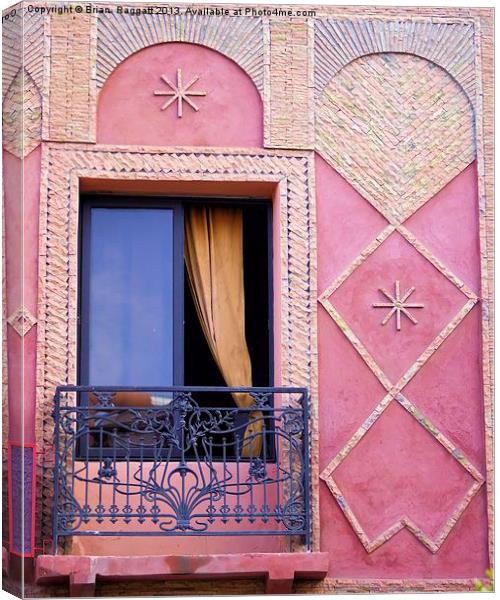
<point x="178" y="465"/>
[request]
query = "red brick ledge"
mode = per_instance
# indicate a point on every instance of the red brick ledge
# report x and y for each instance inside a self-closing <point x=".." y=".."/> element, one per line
<point x="279" y="569"/>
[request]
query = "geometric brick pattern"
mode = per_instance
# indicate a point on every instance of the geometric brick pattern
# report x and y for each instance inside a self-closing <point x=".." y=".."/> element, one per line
<point x="399" y="128"/>
<point x="27" y="27"/>
<point x="447" y="44"/>
<point x="22" y="116"/>
<point x="403" y="123"/>
<point x="22" y="81"/>
<point x="59" y="209"/>
<point x="239" y="38"/>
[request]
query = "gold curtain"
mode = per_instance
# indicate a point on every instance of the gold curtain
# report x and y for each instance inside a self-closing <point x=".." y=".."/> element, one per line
<point x="214" y="260"/>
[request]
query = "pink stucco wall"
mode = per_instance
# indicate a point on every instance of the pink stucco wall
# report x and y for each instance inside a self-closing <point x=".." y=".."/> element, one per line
<point x="398" y="468"/>
<point x="21" y="204"/>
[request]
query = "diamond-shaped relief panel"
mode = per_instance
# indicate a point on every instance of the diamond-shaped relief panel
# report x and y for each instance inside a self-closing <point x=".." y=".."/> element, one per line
<point x="22" y="320"/>
<point x="448" y="226"/>
<point x="448" y="388"/>
<point x="399" y="475"/>
<point x="396" y="260"/>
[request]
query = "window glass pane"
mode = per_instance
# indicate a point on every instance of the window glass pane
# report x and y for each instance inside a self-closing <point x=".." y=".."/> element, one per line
<point x="130" y="297"/>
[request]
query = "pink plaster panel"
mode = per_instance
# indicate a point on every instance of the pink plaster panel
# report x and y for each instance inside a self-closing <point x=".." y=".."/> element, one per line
<point x="21" y="201"/>
<point x="349" y="391"/>
<point x="12" y="189"/>
<point x="448" y="225"/>
<point x="31" y="209"/>
<point x="463" y="554"/>
<point x="229" y="115"/>
<point x="396" y="260"/>
<point x="448" y="389"/>
<point x="350" y="222"/>
<point x="398" y="469"/>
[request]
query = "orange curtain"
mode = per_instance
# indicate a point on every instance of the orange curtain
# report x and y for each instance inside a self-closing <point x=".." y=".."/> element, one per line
<point x="214" y="260"/>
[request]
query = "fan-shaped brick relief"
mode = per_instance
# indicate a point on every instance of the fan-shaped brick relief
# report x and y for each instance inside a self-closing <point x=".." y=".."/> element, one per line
<point x="448" y="44"/>
<point x="22" y="116"/>
<point x="398" y="128"/>
<point x="30" y="28"/>
<point x="238" y="38"/>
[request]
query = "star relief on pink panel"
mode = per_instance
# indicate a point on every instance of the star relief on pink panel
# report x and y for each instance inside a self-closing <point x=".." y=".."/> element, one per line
<point x="180" y="92"/>
<point x="353" y="300"/>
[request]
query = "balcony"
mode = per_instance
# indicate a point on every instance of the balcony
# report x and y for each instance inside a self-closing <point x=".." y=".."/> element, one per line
<point x="186" y="463"/>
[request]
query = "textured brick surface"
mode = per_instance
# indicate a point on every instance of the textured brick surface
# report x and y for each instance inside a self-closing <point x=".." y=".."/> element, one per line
<point x="71" y="99"/>
<point x="22" y="80"/>
<point x="290" y="112"/>
<point x="238" y="38"/>
<point x="450" y="45"/>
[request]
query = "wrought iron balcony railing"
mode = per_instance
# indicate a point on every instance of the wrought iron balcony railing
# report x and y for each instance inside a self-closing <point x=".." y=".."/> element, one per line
<point x="161" y="461"/>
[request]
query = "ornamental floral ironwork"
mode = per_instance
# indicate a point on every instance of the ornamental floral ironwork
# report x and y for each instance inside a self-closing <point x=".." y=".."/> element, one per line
<point x="182" y="466"/>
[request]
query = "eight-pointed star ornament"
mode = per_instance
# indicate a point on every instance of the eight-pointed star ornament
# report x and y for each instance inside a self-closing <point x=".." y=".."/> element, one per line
<point x="398" y="305"/>
<point x="179" y="92"/>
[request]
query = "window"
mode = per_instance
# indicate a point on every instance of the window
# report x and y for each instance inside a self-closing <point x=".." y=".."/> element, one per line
<point x="138" y="323"/>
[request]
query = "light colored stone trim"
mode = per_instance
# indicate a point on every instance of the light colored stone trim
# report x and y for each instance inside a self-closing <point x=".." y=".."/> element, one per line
<point x="449" y="45"/>
<point x="239" y="38"/>
<point x="65" y="164"/>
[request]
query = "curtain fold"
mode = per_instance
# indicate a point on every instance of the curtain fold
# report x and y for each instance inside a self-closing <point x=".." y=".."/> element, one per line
<point x="214" y="261"/>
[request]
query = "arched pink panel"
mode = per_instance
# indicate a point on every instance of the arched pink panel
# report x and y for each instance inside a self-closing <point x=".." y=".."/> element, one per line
<point x="230" y="114"/>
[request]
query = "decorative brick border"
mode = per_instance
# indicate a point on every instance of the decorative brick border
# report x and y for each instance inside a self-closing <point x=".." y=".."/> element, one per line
<point x="485" y="152"/>
<point x="63" y="165"/>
